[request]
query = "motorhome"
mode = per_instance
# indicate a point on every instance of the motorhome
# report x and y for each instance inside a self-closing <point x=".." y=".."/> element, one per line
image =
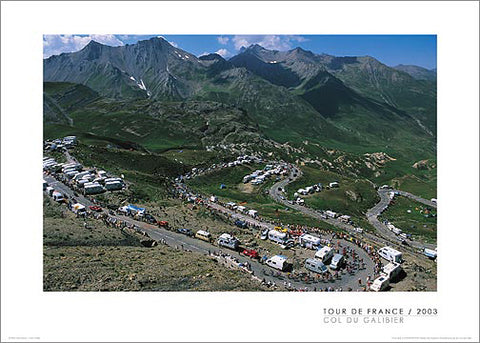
<point x="308" y="241"/>
<point x="79" y="176"/>
<point x="380" y="284"/>
<point x="337" y="261"/>
<point x="324" y="254"/>
<point x="228" y="241"/>
<point x="331" y="214"/>
<point x="390" y="254"/>
<point x="316" y="266"/>
<point x="203" y="235"/>
<point x="278" y="262"/>
<point x="113" y="186"/>
<point x="392" y="270"/>
<point x="93" y="188"/>
<point x="277" y="236"/>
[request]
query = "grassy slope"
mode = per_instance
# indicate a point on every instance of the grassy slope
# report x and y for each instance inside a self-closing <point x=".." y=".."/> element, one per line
<point x="146" y="172"/>
<point x="398" y="215"/>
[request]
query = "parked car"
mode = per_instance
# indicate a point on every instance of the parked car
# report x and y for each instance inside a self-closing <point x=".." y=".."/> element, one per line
<point x="186" y="232"/>
<point x="95" y="208"/>
<point x="149" y="218"/>
<point x="162" y="223"/>
<point x="250" y="253"/>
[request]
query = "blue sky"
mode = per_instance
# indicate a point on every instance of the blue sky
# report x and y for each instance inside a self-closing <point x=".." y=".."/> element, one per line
<point x="392" y="50"/>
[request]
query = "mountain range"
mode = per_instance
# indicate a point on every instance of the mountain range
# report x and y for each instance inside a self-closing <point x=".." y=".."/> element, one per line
<point x="353" y="103"/>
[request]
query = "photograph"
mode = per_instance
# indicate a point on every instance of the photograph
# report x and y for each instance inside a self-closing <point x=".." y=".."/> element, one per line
<point x="211" y="169"/>
<point x="239" y="163"/>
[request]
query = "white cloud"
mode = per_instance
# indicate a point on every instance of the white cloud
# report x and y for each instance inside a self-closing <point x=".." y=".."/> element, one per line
<point x="223" y="52"/>
<point x="57" y="44"/>
<point x="223" y="40"/>
<point x="273" y="42"/>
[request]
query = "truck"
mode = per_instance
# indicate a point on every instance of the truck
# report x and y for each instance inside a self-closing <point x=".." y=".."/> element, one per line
<point x="390" y="254"/>
<point x="315" y="265"/>
<point x="380" y="284"/>
<point x="278" y="262"/>
<point x="228" y="241"/>
<point x="337" y="261"/>
<point x="309" y="241"/>
<point x="324" y="254"/>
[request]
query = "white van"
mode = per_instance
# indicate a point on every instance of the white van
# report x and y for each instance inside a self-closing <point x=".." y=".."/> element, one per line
<point x="203" y="235"/>
<point x="390" y="254"/>
<point x="392" y="270"/>
<point x="278" y="262"/>
<point x="228" y="241"/>
<point x="337" y="261"/>
<point x="316" y="266"/>
<point x="380" y="284"/>
<point x="324" y="254"/>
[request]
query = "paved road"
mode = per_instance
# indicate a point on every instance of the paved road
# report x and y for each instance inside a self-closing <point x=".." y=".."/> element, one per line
<point x="374" y="212"/>
<point x="416" y="198"/>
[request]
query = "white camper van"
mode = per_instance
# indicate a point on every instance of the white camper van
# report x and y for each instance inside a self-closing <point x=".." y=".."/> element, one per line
<point x="228" y="241"/>
<point x="315" y="265"/>
<point x="309" y="241"/>
<point x="392" y="270"/>
<point x="278" y="262"/>
<point x="277" y="236"/>
<point x="324" y="254"/>
<point x="390" y="254"/>
<point x="380" y="284"/>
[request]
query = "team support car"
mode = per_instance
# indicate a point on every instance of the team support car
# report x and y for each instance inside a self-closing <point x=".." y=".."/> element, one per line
<point x="95" y="208"/>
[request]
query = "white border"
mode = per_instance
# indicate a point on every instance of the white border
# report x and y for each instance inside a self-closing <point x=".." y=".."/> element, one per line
<point x="28" y="312"/>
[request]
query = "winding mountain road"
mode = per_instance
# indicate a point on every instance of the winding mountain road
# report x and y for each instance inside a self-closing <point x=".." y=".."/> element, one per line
<point x="189" y="243"/>
<point x="386" y="236"/>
